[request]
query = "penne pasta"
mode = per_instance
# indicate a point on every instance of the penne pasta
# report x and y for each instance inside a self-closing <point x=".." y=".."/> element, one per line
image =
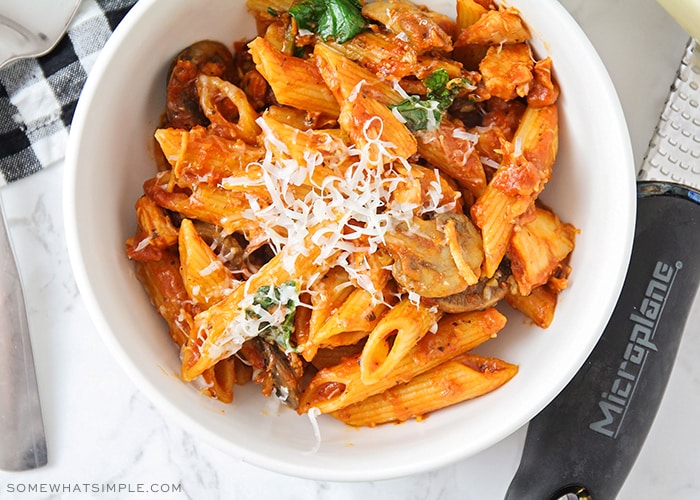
<point x="520" y="178"/>
<point x="206" y="279"/>
<point x="468" y="13"/>
<point x="461" y="378"/>
<point x="197" y="155"/>
<point x="398" y="331"/>
<point x="351" y="321"/>
<point x="295" y="82"/>
<point x="337" y="387"/>
<point x="213" y="93"/>
<point x="345" y="78"/>
<point x="452" y="150"/>
<point x="538" y="137"/>
<point x="215" y="205"/>
<point x="162" y="281"/>
<point x="368" y="121"/>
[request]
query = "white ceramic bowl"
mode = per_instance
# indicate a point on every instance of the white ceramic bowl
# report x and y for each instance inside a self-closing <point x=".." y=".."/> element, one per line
<point x="110" y="155"/>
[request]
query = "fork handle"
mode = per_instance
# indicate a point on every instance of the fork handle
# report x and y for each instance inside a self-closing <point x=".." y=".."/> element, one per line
<point x="589" y="437"/>
<point x="22" y="440"/>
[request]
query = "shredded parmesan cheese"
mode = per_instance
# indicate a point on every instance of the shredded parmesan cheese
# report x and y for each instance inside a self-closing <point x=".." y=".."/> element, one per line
<point x="313" y="415"/>
<point x="213" y="266"/>
<point x="352" y="205"/>
<point x="143" y="243"/>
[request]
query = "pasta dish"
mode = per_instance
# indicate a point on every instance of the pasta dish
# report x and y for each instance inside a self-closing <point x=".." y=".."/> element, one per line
<point x="341" y="204"/>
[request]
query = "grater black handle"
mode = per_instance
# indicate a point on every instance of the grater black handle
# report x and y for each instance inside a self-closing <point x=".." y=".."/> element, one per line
<point x="587" y="440"/>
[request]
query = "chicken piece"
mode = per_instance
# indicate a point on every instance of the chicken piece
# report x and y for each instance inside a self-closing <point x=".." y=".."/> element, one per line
<point x="545" y="90"/>
<point x="495" y="27"/>
<point x="507" y="70"/>
<point x="437" y="257"/>
<point x="410" y="22"/>
<point x="537" y="249"/>
<point x="499" y="123"/>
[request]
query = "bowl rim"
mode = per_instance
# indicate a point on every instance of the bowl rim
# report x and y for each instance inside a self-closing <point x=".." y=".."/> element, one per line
<point x="151" y="389"/>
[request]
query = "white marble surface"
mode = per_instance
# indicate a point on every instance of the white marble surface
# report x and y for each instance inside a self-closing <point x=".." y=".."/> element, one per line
<point x="101" y="430"/>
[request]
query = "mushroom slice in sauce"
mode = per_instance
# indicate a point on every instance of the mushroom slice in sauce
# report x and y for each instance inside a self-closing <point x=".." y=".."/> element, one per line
<point x="437" y="257"/>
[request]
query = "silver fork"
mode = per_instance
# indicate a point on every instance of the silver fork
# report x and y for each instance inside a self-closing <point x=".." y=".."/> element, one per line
<point x="27" y="29"/>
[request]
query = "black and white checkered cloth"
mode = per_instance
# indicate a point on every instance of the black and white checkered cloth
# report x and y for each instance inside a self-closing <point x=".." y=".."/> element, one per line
<point x="38" y="96"/>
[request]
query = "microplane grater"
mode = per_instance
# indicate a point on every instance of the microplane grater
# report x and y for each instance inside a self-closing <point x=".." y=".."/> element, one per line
<point x="674" y="150"/>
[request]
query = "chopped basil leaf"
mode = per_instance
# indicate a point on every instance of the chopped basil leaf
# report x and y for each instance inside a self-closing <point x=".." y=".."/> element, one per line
<point x="418" y="113"/>
<point x="267" y="299"/>
<point x="425" y="114"/>
<point x="338" y="19"/>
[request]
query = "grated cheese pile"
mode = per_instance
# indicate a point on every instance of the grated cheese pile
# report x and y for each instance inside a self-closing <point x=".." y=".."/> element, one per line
<point x="352" y="207"/>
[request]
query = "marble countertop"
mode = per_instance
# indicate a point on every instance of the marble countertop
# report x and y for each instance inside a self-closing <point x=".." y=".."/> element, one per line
<point x="102" y="431"/>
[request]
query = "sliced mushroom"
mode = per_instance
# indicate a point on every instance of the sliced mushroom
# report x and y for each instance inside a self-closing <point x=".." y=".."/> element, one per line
<point x="486" y="293"/>
<point x="285" y="379"/>
<point x="226" y="246"/>
<point x="437" y="257"/>
<point x="207" y="57"/>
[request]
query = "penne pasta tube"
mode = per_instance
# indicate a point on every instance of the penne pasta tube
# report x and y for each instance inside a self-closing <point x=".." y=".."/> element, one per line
<point x="205" y="277"/>
<point x="351" y="321"/>
<point x="212" y="204"/>
<point x="461" y="378"/>
<point x="344" y="77"/>
<point x="164" y="285"/>
<point x="525" y="169"/>
<point x="398" y="331"/>
<point x="219" y="380"/>
<point x="337" y="387"/>
<point x="328" y="293"/>
<point x="368" y="121"/>
<point x="197" y="155"/>
<point x="537" y="136"/>
<point x="452" y="150"/>
<point x="289" y="142"/>
<point x="295" y="82"/>
<point x="468" y="12"/>
<point x="381" y="53"/>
